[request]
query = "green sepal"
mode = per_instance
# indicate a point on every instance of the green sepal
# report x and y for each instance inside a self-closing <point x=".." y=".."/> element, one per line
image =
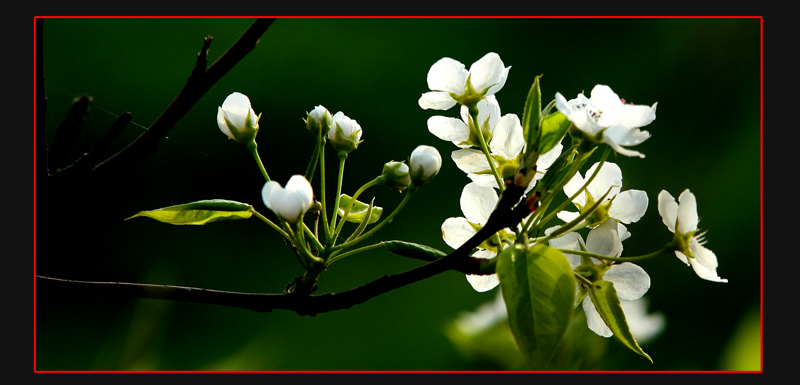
<point x="414" y="250"/>
<point x="605" y="300"/>
<point x="359" y="210"/>
<point x="200" y="212"/>
<point x="539" y="291"/>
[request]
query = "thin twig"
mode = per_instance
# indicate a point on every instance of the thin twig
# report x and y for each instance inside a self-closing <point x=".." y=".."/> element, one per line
<point x="510" y="211"/>
<point x="198" y="83"/>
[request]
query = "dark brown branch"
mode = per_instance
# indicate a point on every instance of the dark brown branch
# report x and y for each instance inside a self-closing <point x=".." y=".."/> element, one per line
<point x="509" y="213"/>
<point x="198" y="83"/>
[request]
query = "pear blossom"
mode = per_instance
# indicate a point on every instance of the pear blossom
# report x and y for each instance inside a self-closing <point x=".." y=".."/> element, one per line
<point x="624" y="206"/>
<point x="451" y="83"/>
<point x="630" y="281"/>
<point x="606" y="118"/>
<point x="681" y="219"/>
<point x="458" y="130"/>
<point x="345" y="133"/>
<point x="288" y="203"/>
<point x="505" y="147"/>
<point x="477" y="203"/>
<point x="236" y="118"/>
<point x="425" y="162"/>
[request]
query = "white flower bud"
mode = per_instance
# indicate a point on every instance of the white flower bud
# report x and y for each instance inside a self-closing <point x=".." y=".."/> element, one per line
<point x="425" y="164"/>
<point x="396" y="175"/>
<point x="345" y="133"/>
<point x="319" y="119"/>
<point x="236" y="118"/>
<point x="289" y="203"/>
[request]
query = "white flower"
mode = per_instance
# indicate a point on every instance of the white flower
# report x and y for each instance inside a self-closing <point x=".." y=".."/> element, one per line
<point x="630" y="281"/>
<point x="236" y="118"/>
<point x="681" y="219"/>
<point x="458" y="131"/>
<point x="425" y="162"/>
<point x="345" y="133"/>
<point x="606" y="118"/>
<point x="451" y="83"/>
<point x="506" y="145"/>
<point x="626" y="206"/>
<point x="477" y="203"/>
<point x="288" y="203"/>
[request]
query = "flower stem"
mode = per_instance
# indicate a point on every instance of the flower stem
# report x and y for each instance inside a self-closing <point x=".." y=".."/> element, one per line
<point x="575" y="165"/>
<point x="656" y="253"/>
<point x="312" y="164"/>
<point x="271" y="224"/>
<point x="325" y="226"/>
<point x="334" y="214"/>
<point x="409" y="192"/>
<point x="473" y="114"/>
<point x="352" y="201"/>
<point x="253" y="147"/>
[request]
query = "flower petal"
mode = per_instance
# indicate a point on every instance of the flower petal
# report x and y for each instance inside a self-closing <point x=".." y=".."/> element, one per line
<point x="436" y="100"/>
<point x="478" y="202"/>
<point x="604" y="239"/>
<point x="449" y="129"/>
<point x="487" y="72"/>
<point x="507" y="140"/>
<point x="687" y="212"/>
<point x="481" y="282"/>
<point x="470" y="160"/>
<point x="629" y="206"/>
<point x="267" y="190"/>
<point x="609" y="177"/>
<point x="593" y="319"/>
<point x="630" y="280"/>
<point x="223" y="125"/>
<point x="456" y="231"/>
<point x="704" y="262"/>
<point x="569" y="241"/>
<point x="668" y="209"/>
<point x="448" y="75"/>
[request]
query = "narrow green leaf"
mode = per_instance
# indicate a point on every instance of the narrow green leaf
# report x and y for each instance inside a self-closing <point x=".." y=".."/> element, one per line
<point x="531" y="115"/>
<point x="554" y="128"/>
<point x="359" y="210"/>
<point x="413" y="250"/>
<point x="539" y="291"/>
<point x="200" y="212"/>
<point x="605" y="300"/>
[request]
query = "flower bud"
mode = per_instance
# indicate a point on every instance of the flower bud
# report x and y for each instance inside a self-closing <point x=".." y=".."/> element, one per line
<point x="319" y="119"/>
<point x="425" y="164"/>
<point x="395" y="175"/>
<point x="345" y="133"/>
<point x="236" y="118"/>
<point x="289" y="203"/>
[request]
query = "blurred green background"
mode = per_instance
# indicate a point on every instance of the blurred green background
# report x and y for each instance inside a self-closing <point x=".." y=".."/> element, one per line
<point x="703" y="72"/>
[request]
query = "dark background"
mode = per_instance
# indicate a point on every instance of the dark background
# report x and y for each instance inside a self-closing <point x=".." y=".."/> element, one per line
<point x="703" y="72"/>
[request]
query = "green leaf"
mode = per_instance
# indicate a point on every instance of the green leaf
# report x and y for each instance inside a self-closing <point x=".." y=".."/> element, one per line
<point x="554" y="128"/>
<point x="531" y="115"/>
<point x="200" y="212"/>
<point x="539" y="291"/>
<point x="359" y="210"/>
<point x="605" y="300"/>
<point x="414" y="250"/>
